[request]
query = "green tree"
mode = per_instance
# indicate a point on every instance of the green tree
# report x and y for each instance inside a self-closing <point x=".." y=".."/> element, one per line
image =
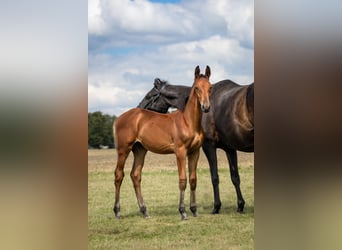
<point x="100" y="129"/>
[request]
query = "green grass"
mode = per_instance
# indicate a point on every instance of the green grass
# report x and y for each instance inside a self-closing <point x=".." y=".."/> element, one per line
<point x="164" y="229"/>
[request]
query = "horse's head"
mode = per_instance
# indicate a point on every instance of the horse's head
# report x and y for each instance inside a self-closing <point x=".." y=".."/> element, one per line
<point x="202" y="88"/>
<point x="153" y="100"/>
<point x="163" y="96"/>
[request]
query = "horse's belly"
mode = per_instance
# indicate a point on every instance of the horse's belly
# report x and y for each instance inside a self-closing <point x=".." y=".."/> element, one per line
<point x="161" y="148"/>
<point x="159" y="145"/>
<point x="237" y="142"/>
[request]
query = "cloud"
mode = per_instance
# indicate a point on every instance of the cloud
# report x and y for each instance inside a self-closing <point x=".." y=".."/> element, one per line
<point x="239" y="18"/>
<point x="111" y="99"/>
<point x="134" y="22"/>
<point x="133" y="42"/>
<point x="139" y="21"/>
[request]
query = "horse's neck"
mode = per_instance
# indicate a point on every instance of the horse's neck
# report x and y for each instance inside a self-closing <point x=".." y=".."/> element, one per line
<point x="192" y="112"/>
<point x="177" y="96"/>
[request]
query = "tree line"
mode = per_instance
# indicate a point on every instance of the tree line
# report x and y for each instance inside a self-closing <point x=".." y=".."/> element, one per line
<point x="100" y="130"/>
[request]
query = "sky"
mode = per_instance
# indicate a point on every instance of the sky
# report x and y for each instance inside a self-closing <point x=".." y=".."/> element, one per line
<point x="130" y="43"/>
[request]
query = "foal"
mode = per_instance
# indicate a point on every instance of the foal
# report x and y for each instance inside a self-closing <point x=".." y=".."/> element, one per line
<point x="178" y="133"/>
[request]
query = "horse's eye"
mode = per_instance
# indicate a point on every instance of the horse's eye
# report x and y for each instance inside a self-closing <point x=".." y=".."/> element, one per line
<point x="196" y="88"/>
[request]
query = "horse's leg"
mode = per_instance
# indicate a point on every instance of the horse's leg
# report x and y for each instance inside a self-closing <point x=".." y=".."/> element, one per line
<point x="122" y="155"/>
<point x="139" y="156"/>
<point x="209" y="149"/>
<point x="181" y="162"/>
<point x="235" y="177"/>
<point x="192" y="162"/>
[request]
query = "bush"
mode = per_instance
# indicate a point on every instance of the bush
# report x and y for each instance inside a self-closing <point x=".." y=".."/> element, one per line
<point x="100" y="129"/>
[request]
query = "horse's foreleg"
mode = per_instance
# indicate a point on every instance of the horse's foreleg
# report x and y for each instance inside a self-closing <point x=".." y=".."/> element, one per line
<point x="119" y="175"/>
<point x="209" y="149"/>
<point x="181" y="162"/>
<point x="235" y="177"/>
<point x="192" y="162"/>
<point x="139" y="157"/>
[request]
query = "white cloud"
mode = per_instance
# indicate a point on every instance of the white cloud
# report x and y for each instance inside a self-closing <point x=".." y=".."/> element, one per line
<point x="125" y="22"/>
<point x="239" y="17"/>
<point x="169" y="40"/>
<point x="96" y="24"/>
<point x="112" y="99"/>
<point x="138" y="19"/>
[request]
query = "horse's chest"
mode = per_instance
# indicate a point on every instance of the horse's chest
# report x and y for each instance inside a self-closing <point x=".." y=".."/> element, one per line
<point x="196" y="141"/>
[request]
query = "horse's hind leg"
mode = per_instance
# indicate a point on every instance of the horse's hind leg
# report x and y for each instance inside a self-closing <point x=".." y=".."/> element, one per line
<point x="119" y="175"/>
<point x="139" y="156"/>
<point x="235" y="177"/>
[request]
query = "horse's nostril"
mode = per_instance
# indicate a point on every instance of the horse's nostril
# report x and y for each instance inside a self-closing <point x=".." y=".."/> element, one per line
<point x="205" y="109"/>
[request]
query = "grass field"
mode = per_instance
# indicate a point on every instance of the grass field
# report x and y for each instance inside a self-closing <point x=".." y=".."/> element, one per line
<point x="164" y="229"/>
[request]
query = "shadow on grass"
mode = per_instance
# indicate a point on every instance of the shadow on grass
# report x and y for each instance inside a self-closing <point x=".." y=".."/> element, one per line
<point x="168" y="211"/>
<point x="232" y="209"/>
<point x="108" y="231"/>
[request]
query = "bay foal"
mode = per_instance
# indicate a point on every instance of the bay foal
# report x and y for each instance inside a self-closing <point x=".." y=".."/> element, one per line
<point x="178" y="133"/>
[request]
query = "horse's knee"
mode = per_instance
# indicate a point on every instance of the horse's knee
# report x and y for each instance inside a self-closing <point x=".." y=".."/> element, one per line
<point x="119" y="175"/>
<point x="136" y="178"/>
<point x="134" y="175"/>
<point x="193" y="183"/>
<point x="182" y="184"/>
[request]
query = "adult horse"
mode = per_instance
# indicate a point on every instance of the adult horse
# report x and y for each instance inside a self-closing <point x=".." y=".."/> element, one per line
<point x="229" y="125"/>
<point x="141" y="130"/>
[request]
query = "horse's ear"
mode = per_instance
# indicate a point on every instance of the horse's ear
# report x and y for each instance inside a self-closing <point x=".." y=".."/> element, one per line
<point x="207" y="71"/>
<point x="157" y="83"/>
<point x="197" y="71"/>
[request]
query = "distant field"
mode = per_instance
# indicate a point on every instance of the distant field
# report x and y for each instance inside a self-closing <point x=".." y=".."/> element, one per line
<point x="164" y="229"/>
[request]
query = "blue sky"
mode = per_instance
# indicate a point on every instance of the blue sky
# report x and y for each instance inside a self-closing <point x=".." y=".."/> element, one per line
<point x="132" y="42"/>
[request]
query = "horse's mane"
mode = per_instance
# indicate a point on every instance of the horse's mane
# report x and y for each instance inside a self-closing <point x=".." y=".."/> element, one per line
<point x="161" y="82"/>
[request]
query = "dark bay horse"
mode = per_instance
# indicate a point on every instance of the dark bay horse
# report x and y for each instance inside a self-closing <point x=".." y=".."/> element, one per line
<point x="179" y="133"/>
<point x="229" y="125"/>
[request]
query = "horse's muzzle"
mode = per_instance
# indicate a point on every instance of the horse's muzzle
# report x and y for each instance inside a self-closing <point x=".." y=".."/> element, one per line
<point x="205" y="108"/>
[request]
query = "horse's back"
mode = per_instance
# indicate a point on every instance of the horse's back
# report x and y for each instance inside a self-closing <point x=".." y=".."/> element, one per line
<point x="153" y="130"/>
<point x="137" y="118"/>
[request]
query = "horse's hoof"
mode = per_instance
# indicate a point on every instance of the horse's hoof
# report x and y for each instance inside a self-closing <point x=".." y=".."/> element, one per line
<point x="215" y="211"/>
<point x="182" y="212"/>
<point x="241" y="206"/>
<point x="183" y="217"/>
<point x="116" y="211"/>
<point x="217" y="208"/>
<point x="194" y="211"/>
<point x="143" y="210"/>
